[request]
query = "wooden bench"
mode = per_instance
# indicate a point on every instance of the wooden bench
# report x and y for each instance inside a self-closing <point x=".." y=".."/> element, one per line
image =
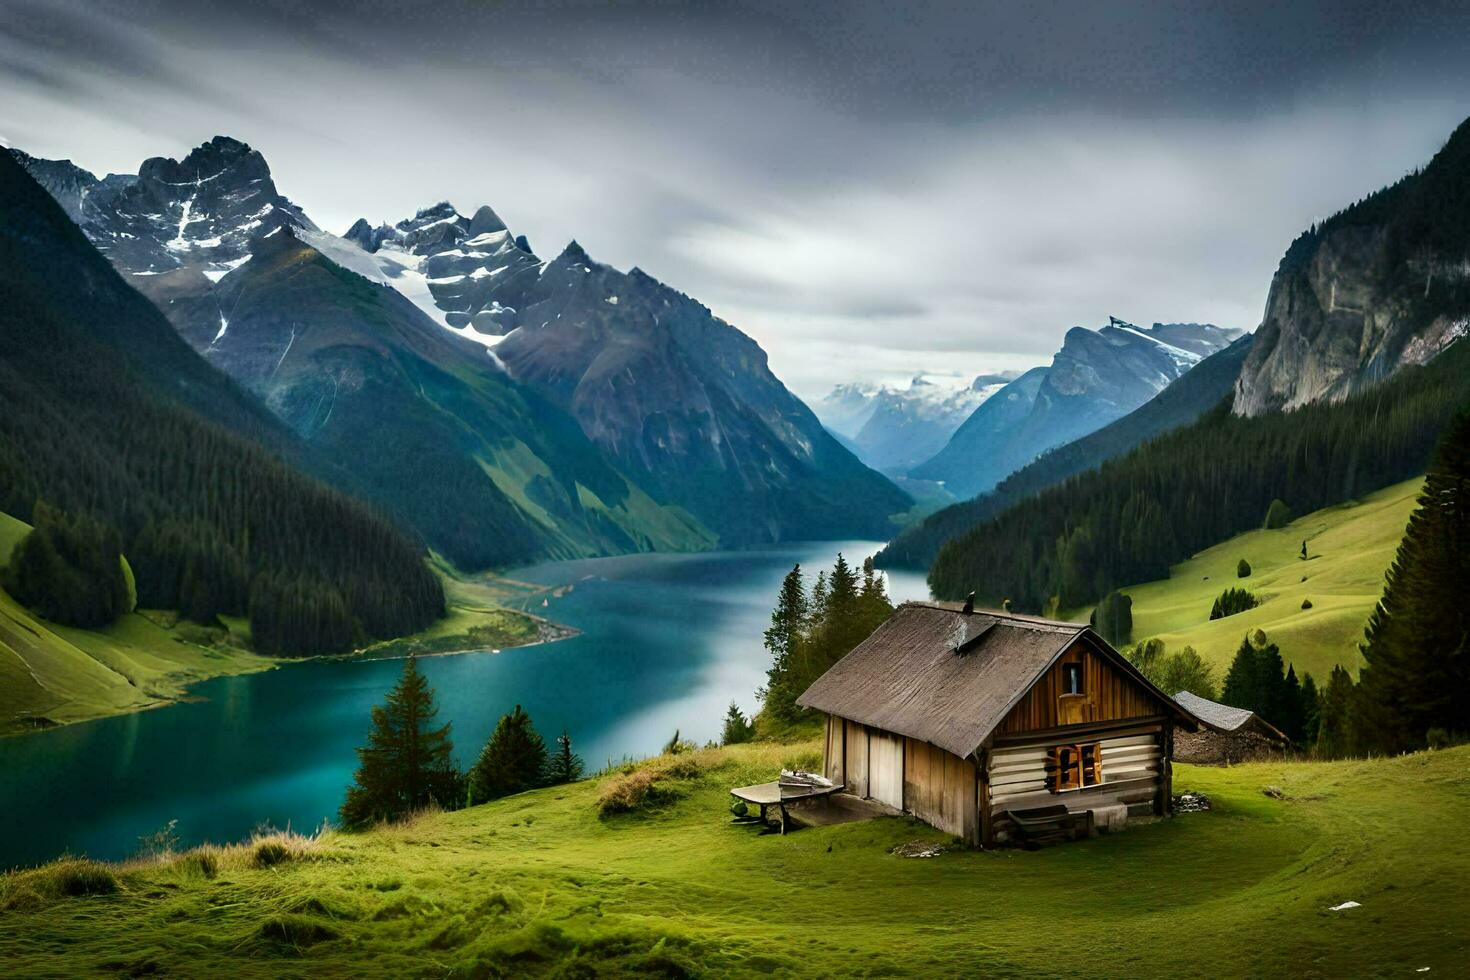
<point x="766" y="795"/>
<point x="1050" y="825"/>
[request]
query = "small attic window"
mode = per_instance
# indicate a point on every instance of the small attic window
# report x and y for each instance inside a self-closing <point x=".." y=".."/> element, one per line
<point x="1072" y="678"/>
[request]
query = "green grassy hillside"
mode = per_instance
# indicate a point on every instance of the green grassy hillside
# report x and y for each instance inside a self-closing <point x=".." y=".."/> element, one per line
<point x="538" y="884"/>
<point x="1350" y="547"/>
<point x="54" y="675"/>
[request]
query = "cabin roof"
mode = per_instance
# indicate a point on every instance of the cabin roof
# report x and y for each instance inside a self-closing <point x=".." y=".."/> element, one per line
<point x="936" y="673"/>
<point x="1224" y="717"/>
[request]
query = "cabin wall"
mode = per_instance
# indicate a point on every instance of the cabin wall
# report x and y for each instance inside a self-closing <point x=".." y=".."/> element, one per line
<point x="832" y="753"/>
<point x="941" y="789"/>
<point x="1109" y="694"/>
<point x="855" y="758"/>
<point x="1134" y="768"/>
<point x="934" y="785"/>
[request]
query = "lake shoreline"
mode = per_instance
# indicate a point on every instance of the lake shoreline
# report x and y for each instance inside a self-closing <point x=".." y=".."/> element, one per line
<point x="249" y="662"/>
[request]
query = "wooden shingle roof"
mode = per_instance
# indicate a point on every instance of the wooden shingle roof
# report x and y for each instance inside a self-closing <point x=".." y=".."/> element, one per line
<point x="936" y="673"/>
<point x="1223" y="717"/>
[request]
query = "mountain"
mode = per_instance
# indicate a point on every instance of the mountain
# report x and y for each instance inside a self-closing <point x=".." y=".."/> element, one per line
<point x="105" y="411"/>
<point x="1138" y="514"/>
<point x="425" y="423"/>
<point x="1377" y="286"/>
<point x="678" y="399"/>
<point x="894" y="429"/>
<point x="1185" y="400"/>
<point x="498" y="448"/>
<point x="1098" y="376"/>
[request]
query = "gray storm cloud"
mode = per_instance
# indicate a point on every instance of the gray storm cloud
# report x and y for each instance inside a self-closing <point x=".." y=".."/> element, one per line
<point x="867" y="190"/>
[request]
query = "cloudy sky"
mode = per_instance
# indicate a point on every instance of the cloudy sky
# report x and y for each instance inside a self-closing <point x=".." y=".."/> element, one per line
<point x="869" y="190"/>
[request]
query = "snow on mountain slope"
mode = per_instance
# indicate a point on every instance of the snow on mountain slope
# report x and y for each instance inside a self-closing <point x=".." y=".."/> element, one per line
<point x="1098" y="376"/>
<point x="893" y="429"/>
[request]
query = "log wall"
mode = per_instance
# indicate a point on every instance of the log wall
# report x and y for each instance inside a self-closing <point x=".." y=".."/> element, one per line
<point x="1134" y="773"/>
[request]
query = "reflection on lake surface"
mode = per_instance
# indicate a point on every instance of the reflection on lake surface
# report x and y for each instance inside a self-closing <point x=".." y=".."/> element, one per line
<point x="667" y="642"/>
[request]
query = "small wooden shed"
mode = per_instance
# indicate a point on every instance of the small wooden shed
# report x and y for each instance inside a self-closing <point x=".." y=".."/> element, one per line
<point x="1226" y="734"/>
<point x="960" y="715"/>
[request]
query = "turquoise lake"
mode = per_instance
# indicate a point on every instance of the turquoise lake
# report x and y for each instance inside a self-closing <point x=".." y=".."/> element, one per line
<point x="667" y="642"/>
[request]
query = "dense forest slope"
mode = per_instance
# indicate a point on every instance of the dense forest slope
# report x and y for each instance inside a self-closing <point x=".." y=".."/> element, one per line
<point x="1196" y="392"/>
<point x="1379" y="285"/>
<point x="51" y="674"/>
<point x="1136" y="515"/>
<point x="105" y="411"/>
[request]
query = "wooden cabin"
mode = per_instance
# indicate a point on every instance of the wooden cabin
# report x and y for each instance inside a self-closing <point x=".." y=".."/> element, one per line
<point x="1226" y="734"/>
<point x="960" y="715"/>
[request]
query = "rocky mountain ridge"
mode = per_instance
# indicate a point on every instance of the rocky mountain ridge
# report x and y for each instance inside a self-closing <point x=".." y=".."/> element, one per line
<point x="893" y="429"/>
<point x="564" y="455"/>
<point x="1382" y="284"/>
<point x="1096" y="377"/>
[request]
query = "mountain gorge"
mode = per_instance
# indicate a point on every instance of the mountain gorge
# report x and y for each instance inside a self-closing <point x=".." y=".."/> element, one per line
<point x="1382" y="284"/>
<point x="579" y="411"/>
<point x="1098" y="376"/>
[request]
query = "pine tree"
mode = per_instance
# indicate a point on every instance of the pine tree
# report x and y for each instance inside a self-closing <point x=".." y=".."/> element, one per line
<point x="1417" y="644"/>
<point x="407" y="763"/>
<point x="783" y="640"/>
<point x="737" y="727"/>
<point x="1242" y="680"/>
<point x="1293" y="722"/>
<point x="1333" y="734"/>
<point x="1311" y="711"/>
<point x="512" y="761"/>
<point x="565" y="765"/>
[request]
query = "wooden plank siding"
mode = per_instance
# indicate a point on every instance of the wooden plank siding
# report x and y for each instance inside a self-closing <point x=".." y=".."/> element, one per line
<point x="941" y="789"/>
<point x="832" y="754"/>
<point x="855" y="758"/>
<point x="934" y="785"/>
<point x="1108" y="695"/>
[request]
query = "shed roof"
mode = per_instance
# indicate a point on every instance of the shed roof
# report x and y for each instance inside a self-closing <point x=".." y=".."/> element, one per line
<point x="936" y="673"/>
<point x="1224" y="717"/>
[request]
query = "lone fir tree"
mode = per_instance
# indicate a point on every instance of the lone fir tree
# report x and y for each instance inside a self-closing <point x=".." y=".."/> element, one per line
<point x="512" y="761"/>
<point x="737" y="727"/>
<point x="565" y="765"/>
<point x="407" y="763"/>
